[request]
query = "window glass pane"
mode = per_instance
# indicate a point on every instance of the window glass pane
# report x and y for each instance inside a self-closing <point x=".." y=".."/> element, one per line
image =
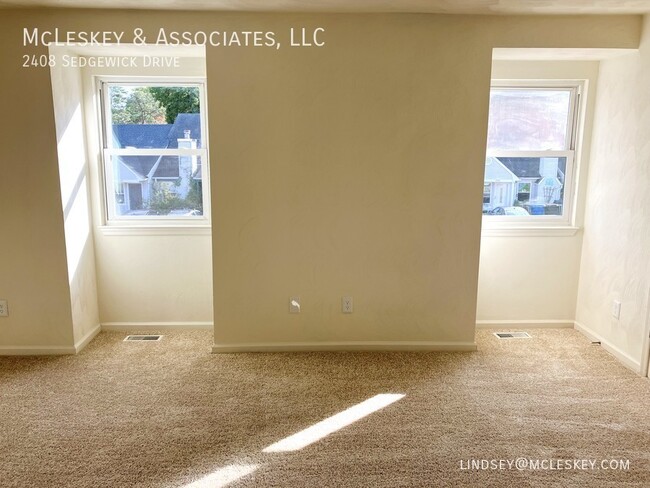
<point x="528" y="119"/>
<point x="158" y="185"/>
<point x="524" y="186"/>
<point x="154" y="117"/>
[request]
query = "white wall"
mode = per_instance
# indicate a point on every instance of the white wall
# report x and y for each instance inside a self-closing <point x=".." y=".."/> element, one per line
<point x="159" y="279"/>
<point x="340" y="170"/>
<point x="364" y="179"/>
<point x="616" y="250"/>
<point x="534" y="279"/>
<point x="33" y="270"/>
<point x="67" y="94"/>
<point x="156" y="277"/>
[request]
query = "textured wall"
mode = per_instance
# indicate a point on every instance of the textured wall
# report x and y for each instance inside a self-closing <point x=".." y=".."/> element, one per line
<point x="155" y="278"/>
<point x="33" y="271"/>
<point x="616" y="249"/>
<point x="67" y="96"/>
<point x="355" y="169"/>
<point x="148" y="278"/>
<point x="533" y="278"/>
<point x="358" y="183"/>
<point x="374" y="189"/>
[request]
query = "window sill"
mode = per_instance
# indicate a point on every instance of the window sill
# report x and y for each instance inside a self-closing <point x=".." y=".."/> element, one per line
<point x="155" y="230"/>
<point x="540" y="231"/>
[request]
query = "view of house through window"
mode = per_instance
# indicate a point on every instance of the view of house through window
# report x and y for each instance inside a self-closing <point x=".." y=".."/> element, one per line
<point x="530" y="150"/>
<point x="153" y="150"/>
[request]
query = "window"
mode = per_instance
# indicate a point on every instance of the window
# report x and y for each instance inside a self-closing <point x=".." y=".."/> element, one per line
<point x="530" y="152"/>
<point x="155" y="151"/>
<point x="487" y="190"/>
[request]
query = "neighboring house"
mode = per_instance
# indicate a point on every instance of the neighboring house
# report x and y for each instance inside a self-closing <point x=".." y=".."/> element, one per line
<point x="529" y="182"/>
<point x="141" y="177"/>
<point x="499" y="186"/>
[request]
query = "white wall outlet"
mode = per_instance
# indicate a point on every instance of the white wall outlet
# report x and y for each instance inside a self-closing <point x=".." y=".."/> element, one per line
<point x="4" y="308"/>
<point x="616" y="309"/>
<point x="294" y="305"/>
<point x="346" y="305"/>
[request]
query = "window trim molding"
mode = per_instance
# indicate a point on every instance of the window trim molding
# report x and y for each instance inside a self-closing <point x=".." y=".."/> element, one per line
<point x="187" y="229"/>
<point x="531" y="231"/>
<point x="564" y="225"/>
<point x="150" y="224"/>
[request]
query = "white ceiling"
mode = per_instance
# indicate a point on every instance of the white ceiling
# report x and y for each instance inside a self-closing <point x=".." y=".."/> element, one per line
<point x="431" y="6"/>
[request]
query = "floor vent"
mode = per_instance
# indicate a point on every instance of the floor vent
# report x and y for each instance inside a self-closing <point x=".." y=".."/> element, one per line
<point x="512" y="335"/>
<point x="143" y="338"/>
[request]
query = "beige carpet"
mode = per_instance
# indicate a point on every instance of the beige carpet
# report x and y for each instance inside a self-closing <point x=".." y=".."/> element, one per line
<point x="168" y="414"/>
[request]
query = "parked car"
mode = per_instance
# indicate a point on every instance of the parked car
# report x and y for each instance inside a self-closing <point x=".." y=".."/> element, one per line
<point x="515" y="211"/>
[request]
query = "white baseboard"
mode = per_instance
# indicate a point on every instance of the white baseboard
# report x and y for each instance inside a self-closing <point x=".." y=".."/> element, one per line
<point x="130" y="326"/>
<point x="344" y="346"/>
<point x="627" y="360"/>
<point x="51" y="350"/>
<point x="36" y="350"/>
<point x="525" y="324"/>
<point x="85" y="340"/>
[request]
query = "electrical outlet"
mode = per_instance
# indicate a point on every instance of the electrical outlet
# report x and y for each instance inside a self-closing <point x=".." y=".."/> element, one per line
<point x="346" y="305"/>
<point x="294" y="305"/>
<point x="4" y="308"/>
<point x="616" y="309"/>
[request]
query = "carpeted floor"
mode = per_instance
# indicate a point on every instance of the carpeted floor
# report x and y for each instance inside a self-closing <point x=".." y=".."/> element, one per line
<point x="170" y="414"/>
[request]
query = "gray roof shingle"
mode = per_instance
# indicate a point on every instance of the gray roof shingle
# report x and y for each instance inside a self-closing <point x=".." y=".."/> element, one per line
<point x="183" y="122"/>
<point x="140" y="164"/>
<point x="156" y="136"/>
<point x="142" y="136"/>
<point x="522" y="167"/>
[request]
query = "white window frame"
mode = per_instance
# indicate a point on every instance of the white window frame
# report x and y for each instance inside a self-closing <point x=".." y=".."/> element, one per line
<point x="544" y="224"/>
<point x="107" y="183"/>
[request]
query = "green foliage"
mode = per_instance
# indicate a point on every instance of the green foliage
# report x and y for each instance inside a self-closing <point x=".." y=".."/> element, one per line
<point x="118" y="96"/>
<point x="135" y="106"/>
<point x="176" y="100"/>
<point x="152" y="104"/>
<point x="194" y="199"/>
<point x="164" y="200"/>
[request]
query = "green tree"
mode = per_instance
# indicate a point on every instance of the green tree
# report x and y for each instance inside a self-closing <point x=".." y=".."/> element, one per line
<point x="194" y="198"/>
<point x="176" y="100"/>
<point x="164" y="199"/>
<point x="135" y="106"/>
<point x="118" y="100"/>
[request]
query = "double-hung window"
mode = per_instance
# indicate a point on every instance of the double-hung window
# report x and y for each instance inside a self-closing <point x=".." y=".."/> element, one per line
<point x="530" y="160"/>
<point x="154" y="152"/>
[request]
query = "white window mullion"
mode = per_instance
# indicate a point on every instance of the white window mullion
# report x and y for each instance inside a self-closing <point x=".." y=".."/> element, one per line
<point x="529" y="154"/>
<point x="155" y="152"/>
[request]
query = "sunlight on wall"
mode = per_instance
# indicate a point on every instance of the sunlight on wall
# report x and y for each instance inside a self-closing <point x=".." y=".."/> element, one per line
<point x="77" y="228"/>
<point x="72" y="157"/>
<point x="223" y="476"/>
<point x="332" y="424"/>
<point x="74" y="193"/>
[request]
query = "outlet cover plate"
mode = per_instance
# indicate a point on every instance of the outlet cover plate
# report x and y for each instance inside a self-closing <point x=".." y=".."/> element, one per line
<point x="346" y="305"/>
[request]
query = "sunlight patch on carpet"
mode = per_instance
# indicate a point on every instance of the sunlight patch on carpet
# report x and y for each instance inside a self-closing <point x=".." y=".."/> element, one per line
<point x="332" y="424"/>
<point x="223" y="476"/>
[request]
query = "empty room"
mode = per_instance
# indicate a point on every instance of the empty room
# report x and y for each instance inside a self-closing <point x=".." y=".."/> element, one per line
<point x="324" y="243"/>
